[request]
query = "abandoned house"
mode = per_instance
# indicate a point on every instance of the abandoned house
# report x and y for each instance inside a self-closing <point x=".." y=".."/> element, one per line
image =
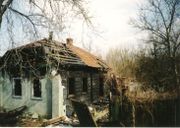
<point x="45" y="74"/>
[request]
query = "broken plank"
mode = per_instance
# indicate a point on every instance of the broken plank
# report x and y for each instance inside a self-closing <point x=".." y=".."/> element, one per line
<point x="83" y="114"/>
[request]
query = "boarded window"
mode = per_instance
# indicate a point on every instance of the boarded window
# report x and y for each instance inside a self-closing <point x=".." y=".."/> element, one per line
<point x="101" y="87"/>
<point x="85" y="84"/>
<point x="36" y="88"/>
<point x="71" y="86"/>
<point x="17" y="87"/>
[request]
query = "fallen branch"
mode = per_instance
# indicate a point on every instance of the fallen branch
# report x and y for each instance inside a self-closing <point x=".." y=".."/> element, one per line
<point x="53" y="121"/>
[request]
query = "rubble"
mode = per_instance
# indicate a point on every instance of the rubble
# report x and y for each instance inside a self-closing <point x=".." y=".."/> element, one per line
<point x="11" y="117"/>
<point x="35" y="116"/>
<point x="29" y="122"/>
<point x="61" y="121"/>
<point x="98" y="112"/>
<point x="101" y="114"/>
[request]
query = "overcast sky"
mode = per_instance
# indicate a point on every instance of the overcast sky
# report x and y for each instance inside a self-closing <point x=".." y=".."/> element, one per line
<point x="111" y="19"/>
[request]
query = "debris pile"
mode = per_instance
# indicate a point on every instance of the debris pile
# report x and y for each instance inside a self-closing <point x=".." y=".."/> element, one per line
<point x="92" y="115"/>
<point x="101" y="110"/>
<point x="29" y="122"/>
<point x="11" y="117"/>
<point x="61" y="121"/>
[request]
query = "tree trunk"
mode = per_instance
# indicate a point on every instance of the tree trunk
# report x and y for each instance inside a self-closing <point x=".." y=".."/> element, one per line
<point x="0" y="21"/>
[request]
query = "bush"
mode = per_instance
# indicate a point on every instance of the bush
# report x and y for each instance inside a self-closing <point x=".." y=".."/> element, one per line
<point x="156" y="71"/>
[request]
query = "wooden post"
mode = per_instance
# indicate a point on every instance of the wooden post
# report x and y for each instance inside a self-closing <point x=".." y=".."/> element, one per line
<point x="91" y="87"/>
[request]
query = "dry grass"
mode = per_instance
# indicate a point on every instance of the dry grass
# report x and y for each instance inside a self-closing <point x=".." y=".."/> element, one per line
<point x="150" y="95"/>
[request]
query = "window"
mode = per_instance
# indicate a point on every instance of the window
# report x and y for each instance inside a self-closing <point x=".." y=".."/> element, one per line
<point x="101" y="87"/>
<point x="71" y="86"/>
<point x="17" y="87"/>
<point x="85" y="84"/>
<point x="36" y="88"/>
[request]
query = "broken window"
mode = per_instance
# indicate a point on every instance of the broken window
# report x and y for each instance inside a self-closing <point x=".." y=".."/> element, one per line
<point x="85" y="84"/>
<point x="101" y="87"/>
<point x="17" y="87"/>
<point x="36" y="88"/>
<point x="71" y="86"/>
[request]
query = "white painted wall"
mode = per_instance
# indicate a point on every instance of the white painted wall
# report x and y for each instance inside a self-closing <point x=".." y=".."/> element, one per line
<point x="41" y="106"/>
<point x="58" y="109"/>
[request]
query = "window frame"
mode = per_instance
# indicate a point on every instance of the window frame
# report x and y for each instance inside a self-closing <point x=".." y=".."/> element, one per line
<point x="32" y="90"/>
<point x="13" y="88"/>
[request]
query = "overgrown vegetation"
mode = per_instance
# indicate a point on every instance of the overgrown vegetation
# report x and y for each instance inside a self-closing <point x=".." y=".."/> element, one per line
<point x="159" y="65"/>
<point x="160" y="20"/>
<point x="156" y="71"/>
<point x="157" y="68"/>
<point x="151" y="70"/>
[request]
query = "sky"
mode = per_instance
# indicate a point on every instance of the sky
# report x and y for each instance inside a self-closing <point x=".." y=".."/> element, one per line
<point x="111" y="19"/>
<point x="111" y="26"/>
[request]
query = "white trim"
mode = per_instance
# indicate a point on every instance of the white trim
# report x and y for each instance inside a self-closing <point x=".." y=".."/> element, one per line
<point x="36" y="98"/>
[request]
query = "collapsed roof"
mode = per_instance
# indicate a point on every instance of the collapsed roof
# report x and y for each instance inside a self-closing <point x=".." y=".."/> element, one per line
<point x="51" y="52"/>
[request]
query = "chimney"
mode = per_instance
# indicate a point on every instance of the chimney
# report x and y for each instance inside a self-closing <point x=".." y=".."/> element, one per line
<point x="69" y="41"/>
<point x="50" y="35"/>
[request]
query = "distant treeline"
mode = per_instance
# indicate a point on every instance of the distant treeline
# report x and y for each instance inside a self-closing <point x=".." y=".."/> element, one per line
<point x="153" y="69"/>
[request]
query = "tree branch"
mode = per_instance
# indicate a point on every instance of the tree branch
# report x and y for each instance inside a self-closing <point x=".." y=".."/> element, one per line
<point x="25" y="16"/>
<point x="3" y="8"/>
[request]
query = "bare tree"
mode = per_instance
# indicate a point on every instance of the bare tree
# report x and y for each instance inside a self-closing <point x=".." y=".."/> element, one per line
<point x="34" y="15"/>
<point x="122" y="61"/>
<point x="161" y="20"/>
